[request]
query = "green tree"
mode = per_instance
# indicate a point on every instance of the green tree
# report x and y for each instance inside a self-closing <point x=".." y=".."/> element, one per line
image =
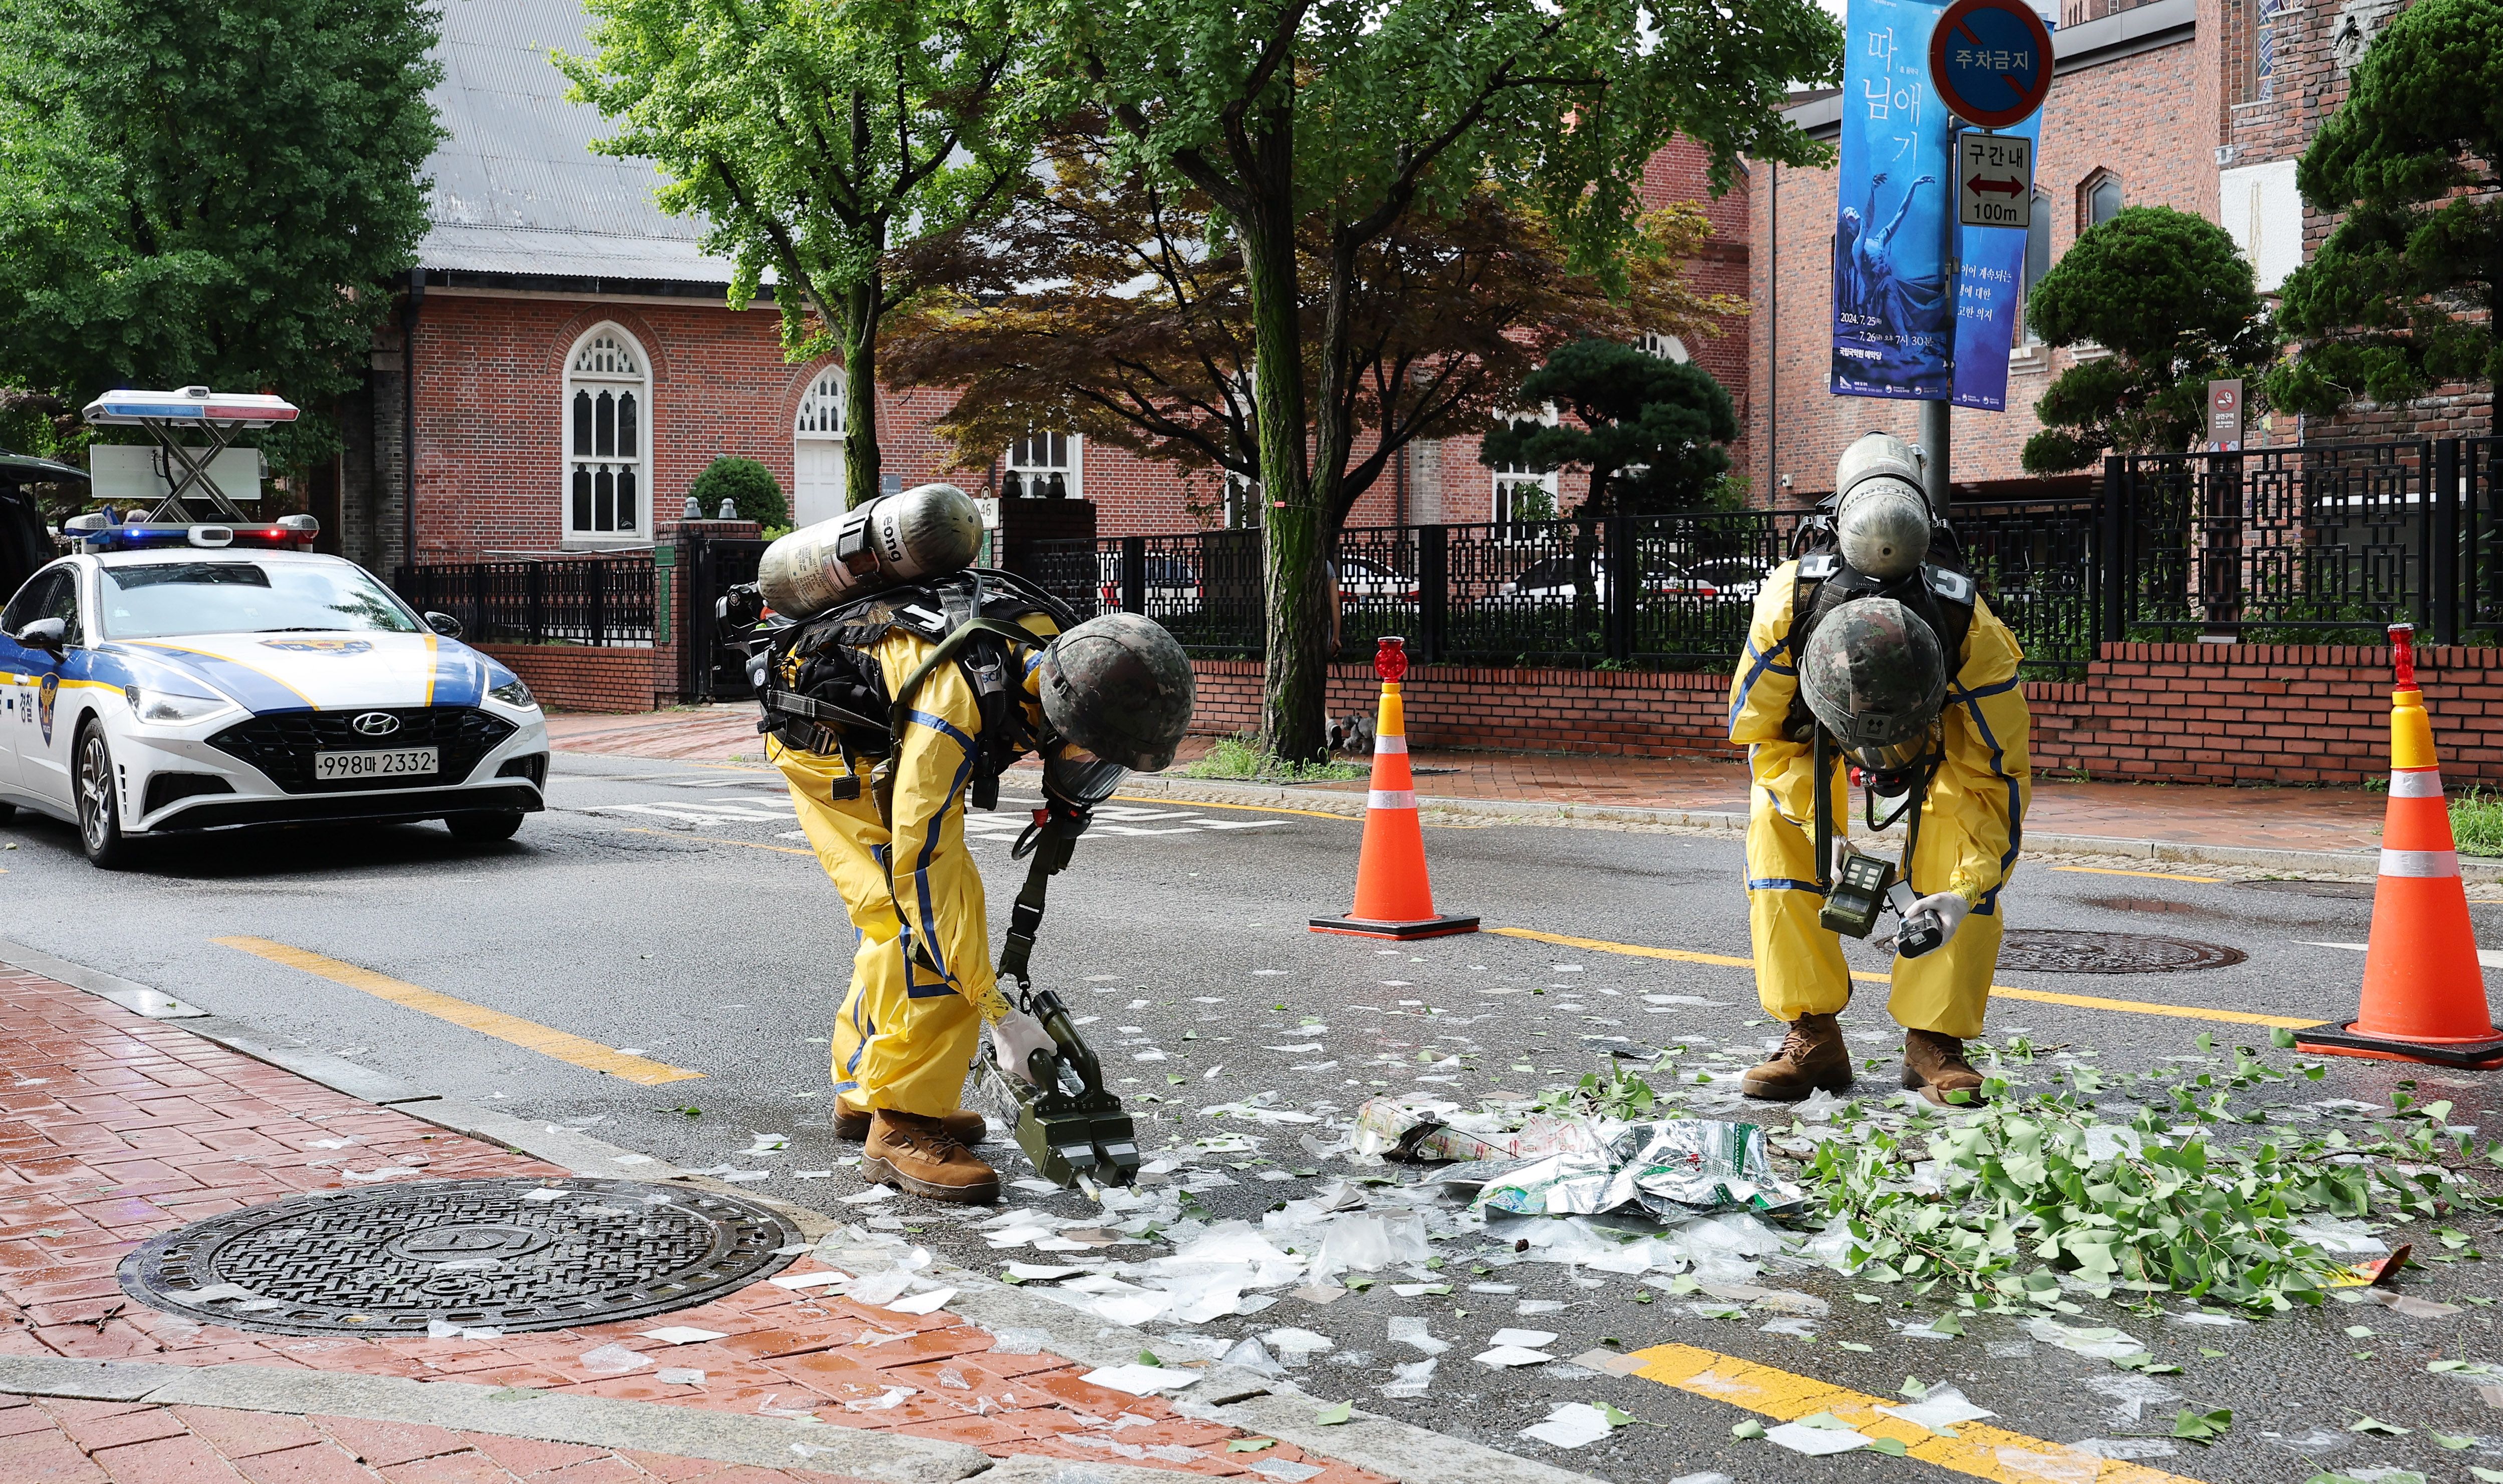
<point x="1281" y="111"/>
<point x="815" y="140"/>
<point x="209" y="192"/>
<point x="1109" y="307"/>
<point x="2402" y="297"/>
<point x="1650" y="431"/>
<point x="1653" y="433"/>
<point x="751" y="488"/>
<point x="2170" y="296"/>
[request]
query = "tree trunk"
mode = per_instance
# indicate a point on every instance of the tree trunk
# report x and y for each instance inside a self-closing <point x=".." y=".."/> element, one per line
<point x="1294" y="527"/>
<point x="859" y="332"/>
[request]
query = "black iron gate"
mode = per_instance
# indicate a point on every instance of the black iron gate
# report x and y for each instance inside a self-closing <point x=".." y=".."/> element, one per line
<point x="714" y="671"/>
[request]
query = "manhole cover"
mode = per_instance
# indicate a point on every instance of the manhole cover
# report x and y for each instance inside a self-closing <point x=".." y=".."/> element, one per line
<point x="2051" y="951"/>
<point x="511" y="1253"/>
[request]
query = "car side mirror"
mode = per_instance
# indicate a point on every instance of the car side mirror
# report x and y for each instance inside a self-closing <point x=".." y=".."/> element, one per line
<point x="444" y="624"/>
<point x="51" y="635"/>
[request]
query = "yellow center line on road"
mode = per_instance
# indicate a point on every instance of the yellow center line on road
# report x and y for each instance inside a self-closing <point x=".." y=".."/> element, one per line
<point x="2113" y="870"/>
<point x="1977" y="1449"/>
<point x="527" y="1035"/>
<point x="1996" y="990"/>
<point x="1201" y="803"/>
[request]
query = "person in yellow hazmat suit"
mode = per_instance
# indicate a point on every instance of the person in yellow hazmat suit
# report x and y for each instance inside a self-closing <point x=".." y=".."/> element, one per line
<point x="1109" y="695"/>
<point x="1856" y="642"/>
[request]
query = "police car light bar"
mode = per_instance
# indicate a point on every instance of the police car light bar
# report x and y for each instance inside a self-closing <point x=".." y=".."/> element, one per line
<point x="96" y="534"/>
<point x="190" y="404"/>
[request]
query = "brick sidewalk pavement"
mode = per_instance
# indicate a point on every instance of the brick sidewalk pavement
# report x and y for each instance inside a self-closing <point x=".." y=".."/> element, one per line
<point x="113" y="1129"/>
<point x="2265" y="818"/>
<point x="66" y="1440"/>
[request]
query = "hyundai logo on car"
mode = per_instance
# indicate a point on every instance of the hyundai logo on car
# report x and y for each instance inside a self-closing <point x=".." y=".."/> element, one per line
<point x="376" y="724"/>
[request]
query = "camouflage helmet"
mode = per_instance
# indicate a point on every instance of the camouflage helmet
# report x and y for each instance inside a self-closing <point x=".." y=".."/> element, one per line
<point x="1881" y="517"/>
<point x="1874" y="676"/>
<point x="1120" y="687"/>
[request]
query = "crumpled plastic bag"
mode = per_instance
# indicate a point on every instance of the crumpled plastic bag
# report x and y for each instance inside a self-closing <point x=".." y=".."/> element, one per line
<point x="1673" y="1169"/>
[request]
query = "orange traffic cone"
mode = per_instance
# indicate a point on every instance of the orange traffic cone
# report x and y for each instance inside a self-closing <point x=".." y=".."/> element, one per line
<point x="2424" y="991"/>
<point x="1393" y="899"/>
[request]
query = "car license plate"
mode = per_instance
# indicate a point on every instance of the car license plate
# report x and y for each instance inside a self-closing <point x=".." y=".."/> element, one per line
<point x="381" y="762"/>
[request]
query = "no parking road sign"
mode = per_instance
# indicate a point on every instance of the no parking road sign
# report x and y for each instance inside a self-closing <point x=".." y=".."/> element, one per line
<point x="1991" y="61"/>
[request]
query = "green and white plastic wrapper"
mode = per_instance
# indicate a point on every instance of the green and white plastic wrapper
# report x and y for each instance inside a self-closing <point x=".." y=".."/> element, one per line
<point x="1673" y="1169"/>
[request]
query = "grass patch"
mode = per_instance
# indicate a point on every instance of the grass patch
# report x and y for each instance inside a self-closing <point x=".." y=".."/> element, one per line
<point x="2476" y="822"/>
<point x="1242" y="757"/>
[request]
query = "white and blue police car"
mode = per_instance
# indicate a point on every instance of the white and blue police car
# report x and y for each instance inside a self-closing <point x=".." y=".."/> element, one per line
<point x="170" y="679"/>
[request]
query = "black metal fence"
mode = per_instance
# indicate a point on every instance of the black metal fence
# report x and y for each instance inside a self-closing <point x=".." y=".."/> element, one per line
<point x="1547" y="593"/>
<point x="2309" y="544"/>
<point x="592" y="601"/>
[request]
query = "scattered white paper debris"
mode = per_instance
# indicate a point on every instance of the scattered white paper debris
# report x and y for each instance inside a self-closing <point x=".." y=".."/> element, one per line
<point x="1943" y="1407"/>
<point x="679" y="1376"/>
<point x="1285" y="1470"/>
<point x="611" y="1360"/>
<point x="1410" y="1331"/>
<point x="1574" y="1425"/>
<point x="1527" y="1339"/>
<point x="921" y="1303"/>
<point x="1294" y="1340"/>
<point x="885" y="1400"/>
<point x="1815" y="1442"/>
<point x="1505" y="1357"/>
<point x="682" y="1334"/>
<point x="869" y="1196"/>
<point x="801" y="1280"/>
<point x="1142" y="1380"/>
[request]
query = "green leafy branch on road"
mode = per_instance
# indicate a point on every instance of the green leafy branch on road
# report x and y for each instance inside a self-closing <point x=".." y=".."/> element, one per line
<point x="2137" y="1207"/>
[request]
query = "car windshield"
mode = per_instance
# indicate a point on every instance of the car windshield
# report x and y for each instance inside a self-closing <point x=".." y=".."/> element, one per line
<point x="162" y="601"/>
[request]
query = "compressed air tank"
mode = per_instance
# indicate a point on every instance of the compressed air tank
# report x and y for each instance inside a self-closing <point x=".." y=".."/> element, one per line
<point x="925" y="531"/>
<point x="1881" y="517"/>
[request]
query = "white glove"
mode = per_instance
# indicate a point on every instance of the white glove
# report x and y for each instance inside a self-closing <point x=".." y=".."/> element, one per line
<point x="1950" y="908"/>
<point x="1842" y="851"/>
<point x="1016" y="1035"/>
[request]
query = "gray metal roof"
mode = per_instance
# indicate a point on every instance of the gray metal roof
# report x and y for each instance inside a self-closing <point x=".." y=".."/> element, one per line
<point x="516" y="188"/>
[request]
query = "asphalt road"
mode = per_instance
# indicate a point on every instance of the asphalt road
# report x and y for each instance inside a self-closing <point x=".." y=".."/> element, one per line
<point x="668" y="909"/>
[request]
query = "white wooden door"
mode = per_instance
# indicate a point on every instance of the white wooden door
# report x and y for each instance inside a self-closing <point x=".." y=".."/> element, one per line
<point x="817" y="481"/>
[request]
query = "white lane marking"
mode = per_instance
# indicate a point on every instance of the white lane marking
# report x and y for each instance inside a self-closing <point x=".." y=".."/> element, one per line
<point x="2487" y="957"/>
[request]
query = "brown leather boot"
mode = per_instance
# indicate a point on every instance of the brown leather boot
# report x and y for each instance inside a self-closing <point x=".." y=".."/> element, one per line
<point x="1934" y="1065"/>
<point x="918" y="1154"/>
<point x="1812" y="1058"/>
<point x="965" y="1125"/>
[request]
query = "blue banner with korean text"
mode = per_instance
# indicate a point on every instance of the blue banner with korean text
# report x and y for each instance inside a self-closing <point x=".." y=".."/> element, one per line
<point x="1893" y="333"/>
<point x="1990" y="276"/>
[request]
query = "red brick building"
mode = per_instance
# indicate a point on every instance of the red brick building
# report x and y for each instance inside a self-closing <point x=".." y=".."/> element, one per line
<point x="2200" y="105"/>
<point x="566" y="363"/>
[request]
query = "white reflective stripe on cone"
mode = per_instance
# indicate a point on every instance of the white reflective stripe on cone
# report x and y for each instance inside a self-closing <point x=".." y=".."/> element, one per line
<point x="1400" y="745"/>
<point x="2416" y="783"/>
<point x="1406" y="798"/>
<point x="2419" y="862"/>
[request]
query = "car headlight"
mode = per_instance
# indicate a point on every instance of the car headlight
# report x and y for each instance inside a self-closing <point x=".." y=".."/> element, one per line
<point x="513" y="693"/>
<point x="167" y="709"/>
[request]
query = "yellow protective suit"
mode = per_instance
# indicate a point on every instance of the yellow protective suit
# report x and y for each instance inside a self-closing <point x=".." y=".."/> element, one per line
<point x="1970" y="827"/>
<point x="922" y="984"/>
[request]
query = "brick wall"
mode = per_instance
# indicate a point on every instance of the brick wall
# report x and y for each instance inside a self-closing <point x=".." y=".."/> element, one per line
<point x="1617" y="713"/>
<point x="2184" y="713"/>
<point x="574" y="677"/>
<point x="2264" y="712"/>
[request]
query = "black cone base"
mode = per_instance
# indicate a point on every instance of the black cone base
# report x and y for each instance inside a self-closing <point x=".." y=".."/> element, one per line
<point x="1421" y="927"/>
<point x="2343" y="1041"/>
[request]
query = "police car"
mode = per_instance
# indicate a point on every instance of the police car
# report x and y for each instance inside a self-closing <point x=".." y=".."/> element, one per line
<point x="168" y="679"/>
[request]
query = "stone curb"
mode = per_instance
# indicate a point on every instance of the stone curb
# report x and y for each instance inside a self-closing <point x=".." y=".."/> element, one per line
<point x="1350" y="805"/>
<point x="598" y="1422"/>
<point x="1228" y="1394"/>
